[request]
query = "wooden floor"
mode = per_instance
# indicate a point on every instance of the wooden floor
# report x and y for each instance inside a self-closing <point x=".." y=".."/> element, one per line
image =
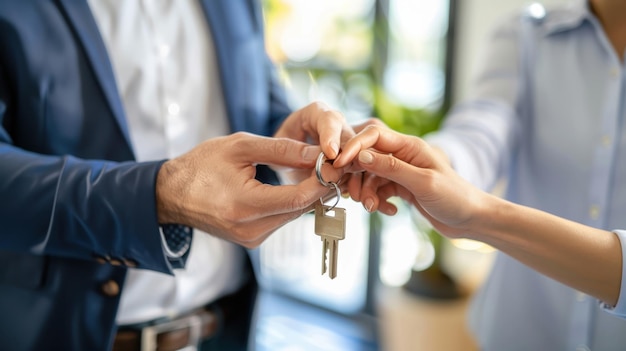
<point x="410" y="323"/>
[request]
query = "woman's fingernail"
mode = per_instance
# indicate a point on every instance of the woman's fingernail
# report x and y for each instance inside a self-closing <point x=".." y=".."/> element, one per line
<point x="366" y="157"/>
<point x="368" y="204"/>
<point x="310" y="153"/>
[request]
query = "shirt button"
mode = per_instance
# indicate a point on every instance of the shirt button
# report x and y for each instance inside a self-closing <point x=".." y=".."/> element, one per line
<point x="101" y="259"/>
<point x="130" y="263"/>
<point x="173" y="109"/>
<point x="606" y="140"/>
<point x="594" y="211"/>
<point x="580" y="297"/>
<point x="614" y="72"/>
<point x="582" y="348"/>
<point x="164" y="50"/>
<point x="110" y="288"/>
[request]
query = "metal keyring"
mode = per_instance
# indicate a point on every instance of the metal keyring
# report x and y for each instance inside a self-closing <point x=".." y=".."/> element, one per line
<point x="332" y="184"/>
<point x="318" y="169"/>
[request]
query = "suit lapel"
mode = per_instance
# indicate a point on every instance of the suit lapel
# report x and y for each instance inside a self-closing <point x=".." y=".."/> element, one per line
<point x="229" y="29"/>
<point x="85" y="28"/>
<point x="217" y="13"/>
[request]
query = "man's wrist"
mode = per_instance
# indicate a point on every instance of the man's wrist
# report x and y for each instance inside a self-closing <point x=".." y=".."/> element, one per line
<point x="164" y="191"/>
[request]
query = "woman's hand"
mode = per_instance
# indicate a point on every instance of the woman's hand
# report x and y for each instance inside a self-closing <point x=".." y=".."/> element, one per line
<point x="406" y="166"/>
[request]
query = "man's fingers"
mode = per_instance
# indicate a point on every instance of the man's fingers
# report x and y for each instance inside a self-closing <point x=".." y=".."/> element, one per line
<point x="276" y="151"/>
<point x="267" y="200"/>
<point x="332" y="129"/>
<point x="264" y="227"/>
<point x="317" y="123"/>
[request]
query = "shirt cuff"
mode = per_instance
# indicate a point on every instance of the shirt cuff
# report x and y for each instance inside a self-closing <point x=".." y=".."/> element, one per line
<point x="619" y="310"/>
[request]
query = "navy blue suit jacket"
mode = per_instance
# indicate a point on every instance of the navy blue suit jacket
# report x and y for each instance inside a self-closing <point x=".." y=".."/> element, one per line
<point x="71" y="193"/>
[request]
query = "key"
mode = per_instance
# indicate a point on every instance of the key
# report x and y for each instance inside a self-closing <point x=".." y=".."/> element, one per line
<point x="330" y="225"/>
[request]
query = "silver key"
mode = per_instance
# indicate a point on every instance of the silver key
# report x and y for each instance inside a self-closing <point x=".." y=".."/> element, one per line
<point x="330" y="225"/>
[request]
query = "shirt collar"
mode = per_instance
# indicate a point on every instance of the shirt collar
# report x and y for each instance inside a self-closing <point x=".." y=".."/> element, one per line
<point x="568" y="17"/>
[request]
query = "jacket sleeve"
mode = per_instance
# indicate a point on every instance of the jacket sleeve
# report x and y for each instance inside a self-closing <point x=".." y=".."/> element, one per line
<point x="70" y="207"/>
<point x="64" y="206"/>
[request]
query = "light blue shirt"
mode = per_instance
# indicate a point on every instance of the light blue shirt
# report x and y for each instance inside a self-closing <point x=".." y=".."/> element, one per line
<point x="547" y="114"/>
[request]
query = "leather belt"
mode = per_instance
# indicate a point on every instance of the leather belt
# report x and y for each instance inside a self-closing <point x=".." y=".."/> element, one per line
<point x="169" y="335"/>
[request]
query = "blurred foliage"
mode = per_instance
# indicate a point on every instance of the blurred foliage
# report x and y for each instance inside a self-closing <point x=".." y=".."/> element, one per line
<point x="413" y="121"/>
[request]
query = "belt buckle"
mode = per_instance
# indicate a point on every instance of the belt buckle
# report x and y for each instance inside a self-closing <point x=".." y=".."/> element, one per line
<point x="193" y="322"/>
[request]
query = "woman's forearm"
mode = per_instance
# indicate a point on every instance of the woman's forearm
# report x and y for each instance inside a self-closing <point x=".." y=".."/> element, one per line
<point x="585" y="258"/>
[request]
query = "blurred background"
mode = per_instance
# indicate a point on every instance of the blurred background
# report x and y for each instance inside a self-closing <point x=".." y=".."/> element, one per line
<point x="400" y="286"/>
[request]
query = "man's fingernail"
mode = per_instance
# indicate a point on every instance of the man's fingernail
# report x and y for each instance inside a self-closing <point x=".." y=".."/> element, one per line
<point x="310" y="153"/>
<point x="368" y="204"/>
<point x="366" y="157"/>
<point x="335" y="148"/>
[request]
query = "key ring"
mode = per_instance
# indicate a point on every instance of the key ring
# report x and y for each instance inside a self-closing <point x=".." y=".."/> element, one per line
<point x="336" y="198"/>
<point x="318" y="171"/>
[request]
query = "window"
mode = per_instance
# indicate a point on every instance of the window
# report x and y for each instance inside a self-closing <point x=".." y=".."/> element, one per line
<point x="388" y="59"/>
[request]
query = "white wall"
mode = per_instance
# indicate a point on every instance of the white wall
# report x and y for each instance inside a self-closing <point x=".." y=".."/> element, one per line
<point x="475" y="20"/>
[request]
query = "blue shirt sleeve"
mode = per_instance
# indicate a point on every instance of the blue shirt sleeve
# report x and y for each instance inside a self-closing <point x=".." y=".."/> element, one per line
<point x="479" y="134"/>
<point x="619" y="310"/>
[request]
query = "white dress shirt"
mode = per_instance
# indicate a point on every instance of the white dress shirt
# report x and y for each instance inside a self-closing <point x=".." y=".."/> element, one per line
<point x="167" y="75"/>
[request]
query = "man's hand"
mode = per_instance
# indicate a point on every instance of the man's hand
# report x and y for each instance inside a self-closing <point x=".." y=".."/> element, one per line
<point x="315" y="124"/>
<point x="213" y="187"/>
